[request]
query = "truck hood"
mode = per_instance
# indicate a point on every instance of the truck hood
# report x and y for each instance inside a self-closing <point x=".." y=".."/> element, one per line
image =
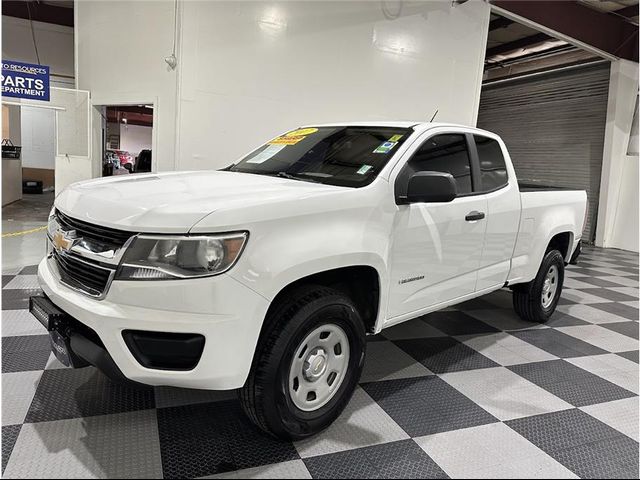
<point x="175" y="202"/>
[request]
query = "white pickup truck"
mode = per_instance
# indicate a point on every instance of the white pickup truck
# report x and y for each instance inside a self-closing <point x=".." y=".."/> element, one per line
<point x="267" y="276"/>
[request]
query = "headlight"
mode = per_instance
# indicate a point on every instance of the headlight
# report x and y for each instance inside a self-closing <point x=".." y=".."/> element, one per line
<point x="52" y="224"/>
<point x="166" y="257"/>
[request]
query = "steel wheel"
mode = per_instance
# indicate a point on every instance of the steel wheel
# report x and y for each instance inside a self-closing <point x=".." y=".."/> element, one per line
<point x="550" y="286"/>
<point x="318" y="367"/>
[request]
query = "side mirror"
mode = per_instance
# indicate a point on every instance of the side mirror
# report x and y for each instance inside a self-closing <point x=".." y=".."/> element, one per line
<point x="430" y="187"/>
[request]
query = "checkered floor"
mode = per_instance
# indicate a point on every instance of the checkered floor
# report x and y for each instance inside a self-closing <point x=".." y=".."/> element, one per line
<point x="466" y="392"/>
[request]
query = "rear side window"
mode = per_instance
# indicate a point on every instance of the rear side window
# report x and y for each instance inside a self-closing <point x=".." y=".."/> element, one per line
<point x="446" y="153"/>
<point x="493" y="170"/>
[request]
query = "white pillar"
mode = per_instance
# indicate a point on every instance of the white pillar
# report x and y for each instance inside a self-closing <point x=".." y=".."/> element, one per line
<point x="617" y="225"/>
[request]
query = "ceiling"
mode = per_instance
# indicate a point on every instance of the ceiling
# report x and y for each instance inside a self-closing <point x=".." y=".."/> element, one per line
<point x="513" y="48"/>
<point x="59" y="12"/>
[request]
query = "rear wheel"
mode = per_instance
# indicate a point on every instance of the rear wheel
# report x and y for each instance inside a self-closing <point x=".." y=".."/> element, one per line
<point x="307" y="365"/>
<point x="537" y="300"/>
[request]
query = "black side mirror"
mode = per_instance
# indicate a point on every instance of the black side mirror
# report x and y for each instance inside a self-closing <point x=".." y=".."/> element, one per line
<point x="430" y="187"/>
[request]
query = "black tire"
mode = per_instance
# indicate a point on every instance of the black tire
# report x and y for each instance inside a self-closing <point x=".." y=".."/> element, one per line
<point x="265" y="396"/>
<point x="128" y="167"/>
<point x="527" y="298"/>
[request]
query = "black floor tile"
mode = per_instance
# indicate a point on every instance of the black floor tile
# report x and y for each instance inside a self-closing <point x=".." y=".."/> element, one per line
<point x="6" y="279"/>
<point x="426" y="405"/>
<point x="619" y="309"/>
<point x="559" y="319"/>
<point x="24" y="353"/>
<point x="557" y="343"/>
<point x="583" y="444"/>
<point x="611" y="295"/>
<point x="457" y="323"/>
<point x="598" y="282"/>
<point x="14" y="299"/>
<point x="404" y="459"/>
<point x="210" y="438"/>
<point x="475" y="304"/>
<point x="630" y="329"/>
<point x="85" y="392"/>
<point x="444" y="354"/>
<point x="570" y="383"/>
<point x="632" y="355"/>
<point x="30" y="270"/>
<point x="9" y="436"/>
<point x="589" y="272"/>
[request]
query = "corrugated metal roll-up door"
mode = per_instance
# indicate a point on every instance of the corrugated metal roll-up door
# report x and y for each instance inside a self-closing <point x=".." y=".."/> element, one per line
<point x="553" y="125"/>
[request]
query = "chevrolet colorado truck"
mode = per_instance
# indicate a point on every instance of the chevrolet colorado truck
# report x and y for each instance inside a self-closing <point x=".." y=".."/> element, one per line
<point x="266" y="276"/>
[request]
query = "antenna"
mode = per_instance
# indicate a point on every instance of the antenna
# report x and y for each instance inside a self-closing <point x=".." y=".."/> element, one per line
<point x="434" y="116"/>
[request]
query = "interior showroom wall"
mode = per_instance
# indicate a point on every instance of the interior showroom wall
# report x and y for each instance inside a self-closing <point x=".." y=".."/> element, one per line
<point x="249" y="70"/>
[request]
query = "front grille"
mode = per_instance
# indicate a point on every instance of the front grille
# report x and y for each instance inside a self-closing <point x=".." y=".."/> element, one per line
<point x="106" y="236"/>
<point x="82" y="275"/>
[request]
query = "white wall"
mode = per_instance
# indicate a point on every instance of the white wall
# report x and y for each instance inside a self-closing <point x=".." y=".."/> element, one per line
<point x="55" y="46"/>
<point x="38" y="127"/>
<point x="250" y="70"/>
<point x="134" y="138"/>
<point x="618" y="209"/>
<point x="121" y="49"/>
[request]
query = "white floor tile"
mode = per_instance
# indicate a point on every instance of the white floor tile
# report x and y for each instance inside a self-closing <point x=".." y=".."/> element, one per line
<point x="363" y="423"/>
<point x="622" y="281"/>
<point x="611" y="367"/>
<point x="504" y="394"/>
<point x="506" y="349"/>
<point x="23" y="282"/>
<point x="601" y="337"/>
<point x="18" y="390"/>
<point x="122" y="445"/>
<point x="490" y="451"/>
<point x="590" y="314"/>
<point x="619" y="414"/>
<point x="20" y="322"/>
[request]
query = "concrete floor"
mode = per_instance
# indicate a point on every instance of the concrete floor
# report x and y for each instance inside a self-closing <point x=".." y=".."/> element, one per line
<point x="23" y="235"/>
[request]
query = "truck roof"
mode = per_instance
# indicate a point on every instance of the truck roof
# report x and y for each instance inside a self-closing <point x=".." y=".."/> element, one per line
<point x="420" y="126"/>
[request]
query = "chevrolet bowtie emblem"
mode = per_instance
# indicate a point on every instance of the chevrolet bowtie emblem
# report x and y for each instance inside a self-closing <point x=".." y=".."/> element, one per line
<point x="64" y="240"/>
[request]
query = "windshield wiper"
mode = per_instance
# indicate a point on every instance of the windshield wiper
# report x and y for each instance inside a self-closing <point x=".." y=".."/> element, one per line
<point x="295" y="177"/>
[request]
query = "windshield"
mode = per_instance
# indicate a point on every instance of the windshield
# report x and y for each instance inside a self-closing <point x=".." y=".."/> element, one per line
<point x="343" y="156"/>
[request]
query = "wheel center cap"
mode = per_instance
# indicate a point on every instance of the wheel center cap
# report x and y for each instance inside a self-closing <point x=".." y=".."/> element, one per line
<point x="315" y="365"/>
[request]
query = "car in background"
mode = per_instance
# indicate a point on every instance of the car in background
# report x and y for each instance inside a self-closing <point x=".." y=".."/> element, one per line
<point x="110" y="163"/>
<point x="126" y="159"/>
<point x="143" y="161"/>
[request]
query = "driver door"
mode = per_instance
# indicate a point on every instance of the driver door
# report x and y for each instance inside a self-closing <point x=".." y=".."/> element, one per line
<point x="437" y="247"/>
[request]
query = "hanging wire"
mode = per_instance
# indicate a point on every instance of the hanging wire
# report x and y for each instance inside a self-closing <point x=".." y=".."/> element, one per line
<point x="33" y="33"/>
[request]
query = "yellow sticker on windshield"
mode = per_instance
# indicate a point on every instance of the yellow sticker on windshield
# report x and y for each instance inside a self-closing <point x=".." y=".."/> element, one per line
<point x="301" y="132"/>
<point x="395" y="138"/>
<point x="285" y="140"/>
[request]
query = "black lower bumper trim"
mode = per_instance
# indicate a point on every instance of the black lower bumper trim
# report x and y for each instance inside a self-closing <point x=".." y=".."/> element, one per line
<point x="83" y="343"/>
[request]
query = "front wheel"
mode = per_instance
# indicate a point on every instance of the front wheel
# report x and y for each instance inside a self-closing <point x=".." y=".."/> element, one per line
<point x="537" y="300"/>
<point x="307" y="364"/>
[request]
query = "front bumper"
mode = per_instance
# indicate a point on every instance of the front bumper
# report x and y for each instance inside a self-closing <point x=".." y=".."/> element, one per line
<point x="226" y="313"/>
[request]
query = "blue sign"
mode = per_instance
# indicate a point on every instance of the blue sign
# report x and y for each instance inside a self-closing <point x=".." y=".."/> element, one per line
<point x="25" y="80"/>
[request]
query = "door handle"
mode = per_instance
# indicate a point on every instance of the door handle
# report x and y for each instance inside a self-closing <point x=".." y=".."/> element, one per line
<point x="473" y="216"/>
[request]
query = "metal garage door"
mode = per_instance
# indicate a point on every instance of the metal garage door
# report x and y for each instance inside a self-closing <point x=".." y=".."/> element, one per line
<point x="553" y="125"/>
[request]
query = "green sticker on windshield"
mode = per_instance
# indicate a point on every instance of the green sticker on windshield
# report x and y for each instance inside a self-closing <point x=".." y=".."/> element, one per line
<point x="364" y="169"/>
<point x="385" y="147"/>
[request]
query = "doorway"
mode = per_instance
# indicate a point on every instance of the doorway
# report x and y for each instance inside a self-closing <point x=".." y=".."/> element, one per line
<point x="127" y="139"/>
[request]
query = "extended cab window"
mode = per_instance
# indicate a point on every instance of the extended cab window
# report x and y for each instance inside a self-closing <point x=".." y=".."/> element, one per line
<point x="442" y="153"/>
<point x="493" y="170"/>
<point x="343" y="156"/>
